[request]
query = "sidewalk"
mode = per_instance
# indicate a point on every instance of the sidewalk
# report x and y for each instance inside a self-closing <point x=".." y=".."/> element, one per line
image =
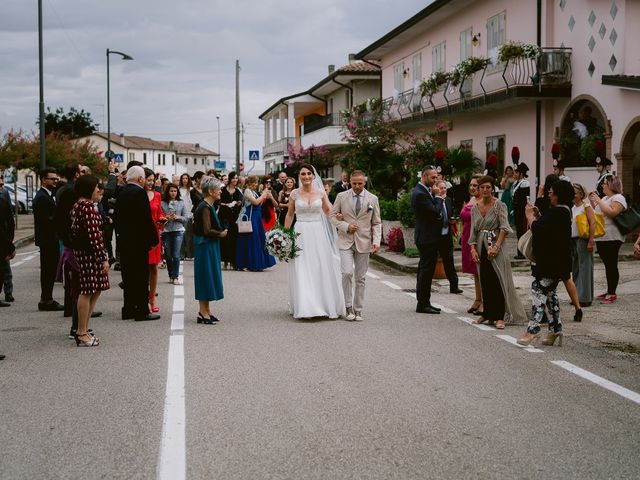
<point x="615" y="327"/>
<point x="24" y="231"/>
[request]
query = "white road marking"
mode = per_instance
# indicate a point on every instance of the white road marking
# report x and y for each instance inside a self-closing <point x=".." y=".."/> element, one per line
<point x="172" y="461"/>
<point x="372" y="275"/>
<point x="602" y="382"/>
<point x="391" y="285"/>
<point x="479" y="326"/>
<point x="411" y="294"/>
<point x="177" y="321"/>
<point x="514" y="341"/>
<point x="17" y="264"/>
<point x="178" y="291"/>
<point x="444" y="309"/>
<point x="34" y="253"/>
<point x="24" y="260"/>
<point x="178" y="304"/>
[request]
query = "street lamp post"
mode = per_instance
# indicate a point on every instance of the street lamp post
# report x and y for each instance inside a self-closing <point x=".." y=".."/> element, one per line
<point x="219" y="154"/>
<point x="124" y="56"/>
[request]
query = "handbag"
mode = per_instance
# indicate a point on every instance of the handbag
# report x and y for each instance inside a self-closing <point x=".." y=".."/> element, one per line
<point x="583" y="225"/>
<point x="628" y="220"/>
<point x="525" y="245"/>
<point x="245" y="226"/>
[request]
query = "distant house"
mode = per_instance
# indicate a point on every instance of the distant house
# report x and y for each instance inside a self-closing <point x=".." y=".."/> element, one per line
<point x="313" y="117"/>
<point x="588" y="70"/>
<point x="165" y="157"/>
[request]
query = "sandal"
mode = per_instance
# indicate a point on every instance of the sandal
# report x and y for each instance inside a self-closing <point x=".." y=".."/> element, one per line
<point x="474" y="307"/>
<point x="206" y="320"/>
<point x="500" y="324"/>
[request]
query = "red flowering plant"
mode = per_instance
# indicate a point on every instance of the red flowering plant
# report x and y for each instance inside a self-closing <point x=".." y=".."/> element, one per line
<point x="395" y="240"/>
<point x="418" y="152"/>
<point x="318" y="156"/>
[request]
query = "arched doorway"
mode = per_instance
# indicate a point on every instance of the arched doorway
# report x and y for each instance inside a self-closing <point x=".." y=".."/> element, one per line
<point x="583" y="126"/>
<point x="629" y="159"/>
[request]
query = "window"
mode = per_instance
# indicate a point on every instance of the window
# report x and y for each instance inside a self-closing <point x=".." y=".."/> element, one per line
<point x="144" y="158"/>
<point x="159" y="159"/>
<point x="438" y="53"/>
<point x="495" y="35"/>
<point x="496" y="145"/>
<point x="398" y="77"/>
<point x="466" y="48"/>
<point x="347" y="98"/>
<point x="330" y="106"/>
<point x="203" y="161"/>
<point x="467" y="144"/>
<point x="173" y="159"/>
<point x="186" y="160"/>
<point x="164" y="161"/>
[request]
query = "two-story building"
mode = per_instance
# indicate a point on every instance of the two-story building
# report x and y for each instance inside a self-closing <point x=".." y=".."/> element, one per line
<point x="588" y="70"/>
<point x="312" y="117"/>
<point x="165" y="157"/>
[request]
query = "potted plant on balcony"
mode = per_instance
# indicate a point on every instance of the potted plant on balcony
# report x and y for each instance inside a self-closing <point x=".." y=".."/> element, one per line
<point x="513" y="50"/>
<point x="433" y="82"/>
<point x="466" y="68"/>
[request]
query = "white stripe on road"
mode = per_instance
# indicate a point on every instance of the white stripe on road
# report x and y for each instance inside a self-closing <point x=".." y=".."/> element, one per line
<point x="178" y="304"/>
<point x="24" y="260"/>
<point x="33" y="252"/>
<point x="391" y="285"/>
<point x="372" y="275"/>
<point x="514" y="341"/>
<point x="479" y="326"/>
<point x="444" y="309"/>
<point x="177" y="321"/>
<point x="178" y="291"/>
<point x="172" y="462"/>
<point x="602" y="382"/>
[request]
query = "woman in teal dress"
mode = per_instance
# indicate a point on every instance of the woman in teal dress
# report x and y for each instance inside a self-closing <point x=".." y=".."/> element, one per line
<point x="505" y="184"/>
<point x="207" y="232"/>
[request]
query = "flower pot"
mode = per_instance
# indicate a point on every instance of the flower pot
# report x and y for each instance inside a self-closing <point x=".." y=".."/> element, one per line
<point x="439" y="273"/>
<point x="408" y="234"/>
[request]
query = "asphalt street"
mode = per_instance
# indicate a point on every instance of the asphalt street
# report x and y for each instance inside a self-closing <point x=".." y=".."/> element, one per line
<point x="263" y="396"/>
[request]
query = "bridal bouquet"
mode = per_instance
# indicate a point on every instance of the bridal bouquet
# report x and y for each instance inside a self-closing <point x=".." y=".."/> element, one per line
<point x="281" y="243"/>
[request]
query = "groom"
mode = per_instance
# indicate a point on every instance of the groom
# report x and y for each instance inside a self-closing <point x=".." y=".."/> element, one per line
<point x="359" y="234"/>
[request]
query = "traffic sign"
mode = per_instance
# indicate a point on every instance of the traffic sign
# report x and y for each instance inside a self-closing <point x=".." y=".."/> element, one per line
<point x="220" y="164"/>
<point x="254" y="155"/>
<point x="108" y="154"/>
<point x="118" y="157"/>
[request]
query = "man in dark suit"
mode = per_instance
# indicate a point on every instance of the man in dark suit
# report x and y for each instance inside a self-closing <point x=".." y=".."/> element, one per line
<point x="7" y="231"/>
<point x="279" y="183"/>
<point x="340" y="186"/>
<point x="44" y="209"/>
<point x="7" y="284"/>
<point x="428" y="230"/>
<point x="445" y="244"/>
<point x="137" y="234"/>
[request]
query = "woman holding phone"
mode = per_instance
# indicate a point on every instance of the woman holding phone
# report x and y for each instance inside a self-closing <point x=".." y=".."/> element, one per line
<point x="155" y="254"/>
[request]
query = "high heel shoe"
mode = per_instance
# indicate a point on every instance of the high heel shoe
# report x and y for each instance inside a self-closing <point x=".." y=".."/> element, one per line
<point x="577" y="317"/>
<point x="214" y="319"/>
<point x="527" y="339"/>
<point x="550" y="339"/>
<point x="474" y="307"/>
<point x="92" y="342"/>
<point x="205" y="320"/>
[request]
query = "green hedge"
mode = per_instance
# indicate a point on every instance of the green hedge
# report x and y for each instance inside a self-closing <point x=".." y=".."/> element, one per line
<point x="389" y="209"/>
<point x="405" y="214"/>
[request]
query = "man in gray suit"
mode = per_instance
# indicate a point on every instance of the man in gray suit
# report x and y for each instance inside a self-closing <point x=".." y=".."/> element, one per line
<point x="356" y="214"/>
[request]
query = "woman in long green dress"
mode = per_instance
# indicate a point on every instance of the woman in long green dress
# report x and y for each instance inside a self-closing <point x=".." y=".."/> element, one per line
<point x="207" y="232"/>
<point x="505" y="184"/>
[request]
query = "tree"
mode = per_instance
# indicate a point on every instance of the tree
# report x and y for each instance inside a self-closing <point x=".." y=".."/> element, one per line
<point x="74" y="123"/>
<point x="22" y="151"/>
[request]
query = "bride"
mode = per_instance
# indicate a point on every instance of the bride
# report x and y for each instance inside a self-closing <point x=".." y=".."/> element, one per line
<point x="314" y="276"/>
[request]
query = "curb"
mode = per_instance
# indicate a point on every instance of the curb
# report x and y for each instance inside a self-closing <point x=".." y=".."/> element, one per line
<point x="23" y="241"/>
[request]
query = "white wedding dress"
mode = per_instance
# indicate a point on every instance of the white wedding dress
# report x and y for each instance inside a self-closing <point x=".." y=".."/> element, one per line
<point x="315" y="281"/>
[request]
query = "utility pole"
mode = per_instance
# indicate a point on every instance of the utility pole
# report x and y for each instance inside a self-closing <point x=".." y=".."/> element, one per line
<point x="43" y="160"/>
<point x="238" y="116"/>
<point x="242" y="137"/>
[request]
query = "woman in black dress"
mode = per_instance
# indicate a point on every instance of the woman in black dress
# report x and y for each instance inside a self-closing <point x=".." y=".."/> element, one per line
<point x="230" y="205"/>
<point x="283" y="199"/>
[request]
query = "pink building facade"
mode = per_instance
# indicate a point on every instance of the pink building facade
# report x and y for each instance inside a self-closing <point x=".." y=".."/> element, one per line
<point x="590" y="65"/>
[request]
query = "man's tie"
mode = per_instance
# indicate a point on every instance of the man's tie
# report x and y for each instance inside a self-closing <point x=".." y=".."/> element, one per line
<point x="358" y="204"/>
<point x="445" y="216"/>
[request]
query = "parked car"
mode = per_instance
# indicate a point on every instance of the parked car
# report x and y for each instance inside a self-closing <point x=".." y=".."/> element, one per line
<point x="23" y="205"/>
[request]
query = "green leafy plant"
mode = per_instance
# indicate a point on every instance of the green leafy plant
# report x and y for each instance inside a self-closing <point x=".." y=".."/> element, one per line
<point x="462" y="162"/>
<point x="389" y="209"/>
<point x="466" y="68"/>
<point x="517" y="50"/>
<point x="433" y="82"/>
<point x="411" y="252"/>
<point x="405" y="213"/>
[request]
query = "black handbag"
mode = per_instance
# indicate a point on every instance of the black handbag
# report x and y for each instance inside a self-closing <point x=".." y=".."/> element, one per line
<point x="79" y="238"/>
<point x="628" y="220"/>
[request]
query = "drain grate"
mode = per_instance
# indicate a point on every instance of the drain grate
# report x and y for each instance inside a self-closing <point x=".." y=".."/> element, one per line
<point x="18" y="329"/>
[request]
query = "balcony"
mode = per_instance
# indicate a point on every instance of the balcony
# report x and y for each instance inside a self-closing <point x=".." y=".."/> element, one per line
<point x="514" y="82"/>
<point x="279" y="147"/>
<point x="324" y="130"/>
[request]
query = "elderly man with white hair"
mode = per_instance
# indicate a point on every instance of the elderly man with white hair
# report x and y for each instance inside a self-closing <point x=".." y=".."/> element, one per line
<point x="137" y="234"/>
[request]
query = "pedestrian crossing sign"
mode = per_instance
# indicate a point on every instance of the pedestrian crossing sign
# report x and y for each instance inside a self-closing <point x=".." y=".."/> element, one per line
<point x="254" y="155"/>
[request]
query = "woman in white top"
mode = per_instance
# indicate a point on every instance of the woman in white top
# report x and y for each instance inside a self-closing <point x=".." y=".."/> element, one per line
<point x="582" y="250"/>
<point x="611" y="205"/>
<point x="186" y="251"/>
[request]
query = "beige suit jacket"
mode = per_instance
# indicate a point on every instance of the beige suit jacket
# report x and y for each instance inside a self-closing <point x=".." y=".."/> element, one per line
<point x="368" y="220"/>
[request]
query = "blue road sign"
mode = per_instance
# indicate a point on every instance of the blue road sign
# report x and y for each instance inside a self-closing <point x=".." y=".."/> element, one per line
<point x="220" y="164"/>
<point x="254" y="155"/>
<point x="118" y="157"/>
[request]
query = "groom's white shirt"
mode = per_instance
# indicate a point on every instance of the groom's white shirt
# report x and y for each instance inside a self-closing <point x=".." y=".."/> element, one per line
<point x="369" y="231"/>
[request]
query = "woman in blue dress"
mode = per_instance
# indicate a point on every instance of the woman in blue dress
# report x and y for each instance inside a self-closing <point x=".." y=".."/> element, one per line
<point x="251" y="253"/>
<point x="207" y="232"/>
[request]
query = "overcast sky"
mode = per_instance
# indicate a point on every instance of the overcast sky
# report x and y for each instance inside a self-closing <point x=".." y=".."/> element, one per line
<point x="185" y="51"/>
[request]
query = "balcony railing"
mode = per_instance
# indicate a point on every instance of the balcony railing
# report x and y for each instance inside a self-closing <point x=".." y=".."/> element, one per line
<point x="313" y="123"/>
<point x="278" y="147"/>
<point x="547" y="77"/>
